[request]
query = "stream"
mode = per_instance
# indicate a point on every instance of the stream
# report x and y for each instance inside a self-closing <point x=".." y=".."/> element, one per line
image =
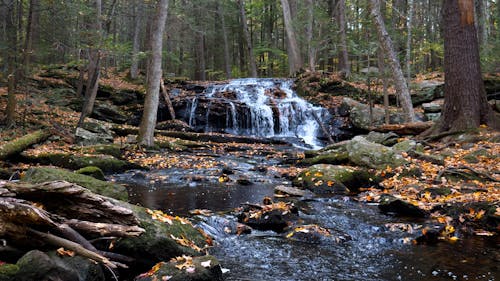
<point x="373" y="251"/>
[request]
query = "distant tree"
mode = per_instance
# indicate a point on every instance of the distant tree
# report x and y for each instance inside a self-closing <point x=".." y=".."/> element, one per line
<point x="465" y="104"/>
<point x="397" y="73"/>
<point x="248" y="39"/>
<point x="154" y="74"/>
<point x="294" y="58"/>
<point x="343" y="55"/>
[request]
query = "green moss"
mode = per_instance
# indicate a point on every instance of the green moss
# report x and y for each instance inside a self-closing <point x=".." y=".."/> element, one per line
<point x="16" y="146"/>
<point x="69" y="161"/>
<point x="333" y="157"/>
<point x="106" y="149"/>
<point x="92" y="171"/>
<point x="8" y="271"/>
<point x="44" y="174"/>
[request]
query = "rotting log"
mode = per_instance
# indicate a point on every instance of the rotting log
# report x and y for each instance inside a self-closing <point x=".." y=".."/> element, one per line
<point x="166" y="96"/>
<point x="413" y="128"/>
<point x="18" y="145"/>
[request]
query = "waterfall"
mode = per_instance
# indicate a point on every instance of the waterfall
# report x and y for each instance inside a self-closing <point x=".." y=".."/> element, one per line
<point x="257" y="107"/>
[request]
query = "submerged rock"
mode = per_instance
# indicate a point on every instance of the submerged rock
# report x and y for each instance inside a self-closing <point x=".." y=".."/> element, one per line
<point x="270" y="216"/>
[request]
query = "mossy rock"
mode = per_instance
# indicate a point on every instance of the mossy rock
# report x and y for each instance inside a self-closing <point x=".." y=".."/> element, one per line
<point x="105" y="149"/>
<point x="8" y="272"/>
<point x="372" y="155"/>
<point x="157" y="244"/>
<point x="44" y="174"/>
<point x="333" y="179"/>
<point x="205" y="268"/>
<point x="92" y="171"/>
<point x="335" y="157"/>
<point x="404" y="146"/>
<point x="473" y="157"/>
<point x="106" y="163"/>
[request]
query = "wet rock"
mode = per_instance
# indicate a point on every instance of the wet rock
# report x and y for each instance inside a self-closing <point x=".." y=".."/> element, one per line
<point x="334" y="156"/>
<point x="314" y="234"/>
<point x="291" y="191"/>
<point x="44" y="174"/>
<point x="270" y="216"/>
<point x="243" y="180"/>
<point x="372" y="155"/>
<point x="391" y="204"/>
<point x="333" y="179"/>
<point x="37" y="265"/>
<point x="205" y="268"/>
<point x="92" y="171"/>
<point x="174" y="125"/>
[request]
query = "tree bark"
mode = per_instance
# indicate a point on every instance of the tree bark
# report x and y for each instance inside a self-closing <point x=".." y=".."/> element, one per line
<point x="409" y="26"/>
<point x="311" y="49"/>
<point x="30" y="27"/>
<point x="227" y="60"/>
<point x="399" y="79"/>
<point x="248" y="40"/>
<point x="148" y="121"/>
<point x="343" y="55"/>
<point x="482" y="28"/>
<point x="465" y="104"/>
<point x="134" y="67"/>
<point x="294" y="58"/>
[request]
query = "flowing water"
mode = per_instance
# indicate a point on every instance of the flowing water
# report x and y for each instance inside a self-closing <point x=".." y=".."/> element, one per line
<point x="373" y="252"/>
<point x="262" y="107"/>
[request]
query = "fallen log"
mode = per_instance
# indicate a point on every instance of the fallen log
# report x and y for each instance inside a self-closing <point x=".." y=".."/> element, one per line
<point x="105" y="229"/>
<point x="414" y="128"/>
<point x="18" y="145"/>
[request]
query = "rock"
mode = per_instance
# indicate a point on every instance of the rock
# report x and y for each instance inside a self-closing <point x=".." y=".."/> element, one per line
<point x="84" y="137"/>
<point x="432" y="116"/>
<point x="334" y="156"/>
<point x="37" y="265"/>
<point x="427" y="91"/>
<point x="106" y="149"/>
<point x="387" y="139"/>
<point x="360" y="114"/>
<point x="205" y="268"/>
<point x="270" y="216"/>
<point x="174" y="125"/>
<point x="44" y="174"/>
<point x="390" y="204"/>
<point x="92" y="171"/>
<point x="431" y="107"/>
<point x="288" y="190"/>
<point x="372" y="155"/>
<point x="162" y="240"/>
<point x="332" y="179"/>
<point x="404" y="146"/>
<point x="126" y="97"/>
<point x="108" y="112"/>
<point x="314" y="234"/>
<point x="473" y="157"/>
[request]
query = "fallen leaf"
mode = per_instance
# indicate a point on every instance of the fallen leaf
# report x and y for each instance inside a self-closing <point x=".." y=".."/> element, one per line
<point x="206" y="263"/>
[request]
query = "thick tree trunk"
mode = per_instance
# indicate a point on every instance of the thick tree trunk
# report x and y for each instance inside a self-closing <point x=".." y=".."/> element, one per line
<point x="399" y="79"/>
<point x="134" y="67"/>
<point x="248" y="40"/>
<point x="343" y="55"/>
<point x="148" y="121"/>
<point x="227" y="60"/>
<point x="465" y="104"/>
<point x="294" y="58"/>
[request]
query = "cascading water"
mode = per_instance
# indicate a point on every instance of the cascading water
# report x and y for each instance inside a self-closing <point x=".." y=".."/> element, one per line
<point x="257" y="107"/>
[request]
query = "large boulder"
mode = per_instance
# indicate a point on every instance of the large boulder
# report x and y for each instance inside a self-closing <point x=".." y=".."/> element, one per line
<point x="44" y="174"/>
<point x="373" y="155"/>
<point x="37" y="265"/>
<point x="333" y="179"/>
<point x="427" y="91"/>
<point x="109" y="112"/>
<point x="360" y="114"/>
<point x="92" y="133"/>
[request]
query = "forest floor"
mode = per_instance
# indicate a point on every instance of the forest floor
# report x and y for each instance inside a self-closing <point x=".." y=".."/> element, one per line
<point x="468" y="178"/>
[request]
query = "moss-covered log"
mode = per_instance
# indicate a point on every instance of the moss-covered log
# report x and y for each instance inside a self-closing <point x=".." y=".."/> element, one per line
<point x="18" y="145"/>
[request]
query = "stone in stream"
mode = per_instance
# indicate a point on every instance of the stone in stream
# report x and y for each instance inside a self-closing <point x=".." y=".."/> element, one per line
<point x="269" y="216"/>
<point x="185" y="268"/>
<point x="391" y="204"/>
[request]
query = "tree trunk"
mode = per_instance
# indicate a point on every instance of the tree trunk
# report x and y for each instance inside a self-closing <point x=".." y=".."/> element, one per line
<point x="248" y="40"/>
<point x="343" y="54"/>
<point x="482" y="28"/>
<point x="465" y="104"/>
<point x="311" y="49"/>
<point x="382" y="72"/>
<point x="134" y="67"/>
<point x="10" y="28"/>
<point x="227" y="60"/>
<point x="397" y="73"/>
<point x="409" y="26"/>
<point x="148" y="121"/>
<point x="10" y="119"/>
<point x="28" y="46"/>
<point x="94" y="69"/>
<point x="294" y="58"/>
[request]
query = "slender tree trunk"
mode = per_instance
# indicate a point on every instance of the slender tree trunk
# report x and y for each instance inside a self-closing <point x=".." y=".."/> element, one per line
<point x="397" y="73"/>
<point x="409" y="26"/>
<point x="148" y="121"/>
<point x="294" y="58"/>
<point x="465" y="104"/>
<point x="202" y="64"/>
<point x="248" y="39"/>
<point x="10" y="28"/>
<point x="344" y="66"/>
<point x="311" y="49"/>
<point x="28" y="46"/>
<point x="382" y="72"/>
<point x="94" y="69"/>
<point x="227" y="60"/>
<point x="134" y="67"/>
